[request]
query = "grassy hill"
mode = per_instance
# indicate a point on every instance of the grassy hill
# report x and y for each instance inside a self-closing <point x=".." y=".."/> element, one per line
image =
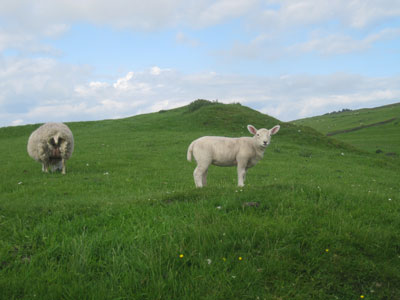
<point x="126" y="221"/>
<point x="369" y="129"/>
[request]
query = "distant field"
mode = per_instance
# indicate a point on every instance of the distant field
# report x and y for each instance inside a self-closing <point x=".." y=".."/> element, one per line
<point x="126" y="221"/>
<point x="381" y="127"/>
<point x="385" y="138"/>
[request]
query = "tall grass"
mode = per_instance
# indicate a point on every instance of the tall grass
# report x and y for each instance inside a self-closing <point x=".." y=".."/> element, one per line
<point x="126" y="221"/>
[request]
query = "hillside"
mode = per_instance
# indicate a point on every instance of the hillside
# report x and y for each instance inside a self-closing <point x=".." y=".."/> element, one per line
<point x="317" y="219"/>
<point x="370" y="129"/>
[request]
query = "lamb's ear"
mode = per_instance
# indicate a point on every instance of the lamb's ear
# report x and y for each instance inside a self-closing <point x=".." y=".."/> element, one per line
<point x="275" y="129"/>
<point x="251" y="129"/>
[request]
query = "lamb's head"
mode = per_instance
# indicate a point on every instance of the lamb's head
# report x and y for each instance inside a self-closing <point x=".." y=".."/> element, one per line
<point x="263" y="136"/>
<point x="54" y="144"/>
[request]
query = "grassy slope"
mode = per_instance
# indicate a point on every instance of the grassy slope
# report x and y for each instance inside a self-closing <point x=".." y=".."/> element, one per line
<point x="385" y="137"/>
<point x="115" y="225"/>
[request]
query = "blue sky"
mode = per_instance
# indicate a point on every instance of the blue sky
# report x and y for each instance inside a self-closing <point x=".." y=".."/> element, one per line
<point x="96" y="59"/>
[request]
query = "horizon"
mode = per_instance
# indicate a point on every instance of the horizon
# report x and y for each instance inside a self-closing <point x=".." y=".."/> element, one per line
<point x="330" y="112"/>
<point x="69" y="61"/>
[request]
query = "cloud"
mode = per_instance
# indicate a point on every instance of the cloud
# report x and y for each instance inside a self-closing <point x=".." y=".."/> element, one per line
<point x="42" y="90"/>
<point x="264" y="47"/>
<point x="28" y="83"/>
<point x="305" y="96"/>
<point x="356" y="14"/>
<point x="154" y="14"/>
<point x="17" y="122"/>
<point x="269" y="47"/>
<point x="138" y="15"/>
<point x="285" y="28"/>
<point x="26" y="24"/>
<point x="213" y="12"/>
<point x="341" y="44"/>
<point x="183" y="39"/>
<point x="25" y="43"/>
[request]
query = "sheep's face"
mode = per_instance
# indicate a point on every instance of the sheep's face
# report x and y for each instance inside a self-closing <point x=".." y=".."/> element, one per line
<point x="54" y="145"/>
<point x="263" y="136"/>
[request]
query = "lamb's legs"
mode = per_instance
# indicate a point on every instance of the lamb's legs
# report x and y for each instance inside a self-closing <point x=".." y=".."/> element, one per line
<point x="241" y="170"/>
<point x="200" y="176"/>
<point x="204" y="177"/>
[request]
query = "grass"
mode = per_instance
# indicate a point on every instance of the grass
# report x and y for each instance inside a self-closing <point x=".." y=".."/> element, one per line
<point x="352" y="118"/>
<point x="381" y="136"/>
<point x="115" y="226"/>
<point x="384" y="138"/>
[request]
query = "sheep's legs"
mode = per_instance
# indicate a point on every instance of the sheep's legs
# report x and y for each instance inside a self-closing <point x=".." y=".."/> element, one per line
<point x="200" y="176"/>
<point x="204" y="178"/>
<point x="63" y="166"/>
<point x="45" y="168"/>
<point x="241" y="175"/>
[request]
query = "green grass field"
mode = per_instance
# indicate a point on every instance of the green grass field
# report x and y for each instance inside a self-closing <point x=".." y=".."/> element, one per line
<point x="126" y="221"/>
<point x="384" y="137"/>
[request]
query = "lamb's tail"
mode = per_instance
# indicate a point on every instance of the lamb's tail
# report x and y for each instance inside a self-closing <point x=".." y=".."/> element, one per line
<point x="190" y="152"/>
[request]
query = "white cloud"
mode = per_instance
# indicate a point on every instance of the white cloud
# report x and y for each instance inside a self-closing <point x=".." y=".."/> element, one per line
<point x="41" y="90"/>
<point x="154" y="14"/>
<point x="263" y="46"/>
<point x="285" y="28"/>
<point x="214" y="12"/>
<point x="26" y="23"/>
<point x="156" y="71"/>
<point x="307" y="96"/>
<point x="17" y="122"/>
<point x="183" y="39"/>
<point x="363" y="13"/>
<point x="123" y="83"/>
<point x="55" y="30"/>
<point x="147" y="15"/>
<point x="356" y="13"/>
<point x="341" y="44"/>
<point x="272" y="48"/>
<point x="24" y="42"/>
<point x="129" y="84"/>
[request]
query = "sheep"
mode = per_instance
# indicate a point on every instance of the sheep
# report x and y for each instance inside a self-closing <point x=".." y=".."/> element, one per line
<point x="51" y="145"/>
<point x="243" y="152"/>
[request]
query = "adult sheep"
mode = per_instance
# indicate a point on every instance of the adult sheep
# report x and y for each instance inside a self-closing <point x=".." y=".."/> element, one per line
<point x="243" y="152"/>
<point x="51" y="144"/>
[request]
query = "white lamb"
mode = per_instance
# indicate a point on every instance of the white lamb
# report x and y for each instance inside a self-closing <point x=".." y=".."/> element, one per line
<point x="243" y="152"/>
<point x="51" y="144"/>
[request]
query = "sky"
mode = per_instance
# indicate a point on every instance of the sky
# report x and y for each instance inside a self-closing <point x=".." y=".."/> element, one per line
<point x="81" y="60"/>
